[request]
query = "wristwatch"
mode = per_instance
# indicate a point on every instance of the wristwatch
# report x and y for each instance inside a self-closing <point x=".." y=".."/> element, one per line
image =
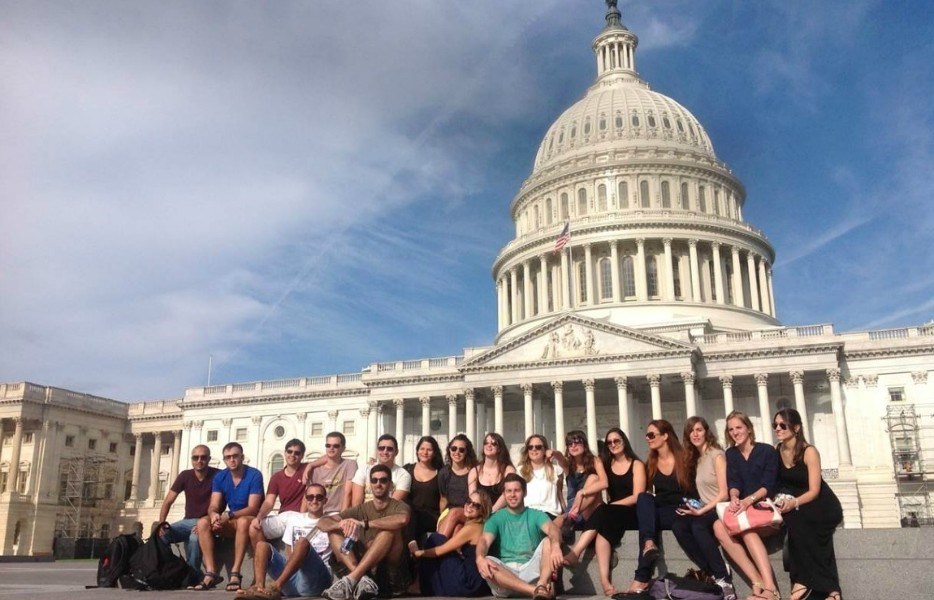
<point x="230" y="514"/>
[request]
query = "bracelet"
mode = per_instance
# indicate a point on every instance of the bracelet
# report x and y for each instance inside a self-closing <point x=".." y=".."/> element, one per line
<point x="797" y="504"/>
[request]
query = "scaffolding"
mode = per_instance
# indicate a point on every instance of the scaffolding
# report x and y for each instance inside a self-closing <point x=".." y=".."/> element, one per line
<point x="912" y="474"/>
<point x="87" y="490"/>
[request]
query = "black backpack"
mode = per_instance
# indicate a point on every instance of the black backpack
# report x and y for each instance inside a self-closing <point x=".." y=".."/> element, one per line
<point x="155" y="566"/>
<point x="116" y="559"/>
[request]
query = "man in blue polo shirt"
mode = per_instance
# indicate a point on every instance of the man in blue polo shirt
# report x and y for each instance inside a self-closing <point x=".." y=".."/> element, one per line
<point x="236" y="495"/>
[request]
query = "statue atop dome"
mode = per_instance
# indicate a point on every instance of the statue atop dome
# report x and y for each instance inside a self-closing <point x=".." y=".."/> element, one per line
<point x="613" y="15"/>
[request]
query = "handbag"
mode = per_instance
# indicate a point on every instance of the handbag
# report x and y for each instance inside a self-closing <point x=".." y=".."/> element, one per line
<point x="761" y="514"/>
<point x="672" y="587"/>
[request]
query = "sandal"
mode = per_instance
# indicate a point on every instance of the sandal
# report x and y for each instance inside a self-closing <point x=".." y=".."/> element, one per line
<point x="652" y="554"/>
<point x="609" y="591"/>
<point x="637" y="586"/>
<point x="209" y="582"/>
<point x="764" y="594"/>
<point x="571" y="558"/>
<point x="250" y="593"/>
<point x="799" y="591"/>
<point x="269" y="593"/>
<point x="542" y="592"/>
<point x="835" y="596"/>
<point x="235" y="581"/>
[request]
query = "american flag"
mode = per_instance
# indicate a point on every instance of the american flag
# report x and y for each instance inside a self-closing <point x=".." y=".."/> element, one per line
<point x="564" y="238"/>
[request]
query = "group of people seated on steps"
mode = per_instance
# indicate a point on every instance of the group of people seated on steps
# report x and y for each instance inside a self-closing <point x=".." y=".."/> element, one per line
<point x="468" y="522"/>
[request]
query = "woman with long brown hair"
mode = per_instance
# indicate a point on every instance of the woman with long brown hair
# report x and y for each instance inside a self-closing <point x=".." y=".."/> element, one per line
<point x="492" y="468"/>
<point x="668" y="478"/>
<point x="460" y="459"/>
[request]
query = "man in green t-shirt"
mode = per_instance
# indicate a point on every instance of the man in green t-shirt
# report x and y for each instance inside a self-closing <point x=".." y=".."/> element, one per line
<point x="529" y="547"/>
<point x="377" y="526"/>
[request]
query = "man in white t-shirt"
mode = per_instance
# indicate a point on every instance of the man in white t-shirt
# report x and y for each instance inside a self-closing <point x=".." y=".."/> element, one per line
<point x="386" y="450"/>
<point x="303" y="570"/>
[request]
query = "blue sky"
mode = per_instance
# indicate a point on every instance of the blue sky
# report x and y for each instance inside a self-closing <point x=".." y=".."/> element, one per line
<point x="303" y="188"/>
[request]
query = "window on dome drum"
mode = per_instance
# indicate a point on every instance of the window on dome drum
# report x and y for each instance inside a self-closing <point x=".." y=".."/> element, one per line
<point x="602" y="123"/>
<point x="676" y="274"/>
<point x="651" y="121"/>
<point x="564" y="207"/>
<point x="651" y="276"/>
<point x="548" y="216"/>
<point x="680" y="126"/>
<point x="702" y="199"/>
<point x="685" y="198"/>
<point x="635" y="120"/>
<point x="582" y="281"/>
<point x="601" y="198"/>
<point x="644" y="194"/>
<point x="629" y="277"/>
<point x="581" y="202"/>
<point x="666" y="123"/>
<point x="666" y="195"/>
<point x="619" y="122"/>
<point x="276" y="463"/>
<point x="623" y="194"/>
<point x="716" y="202"/>
<point x="606" y="279"/>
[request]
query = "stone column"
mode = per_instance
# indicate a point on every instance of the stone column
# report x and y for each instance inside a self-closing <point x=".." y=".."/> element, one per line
<point x="332" y="415"/>
<point x="425" y="401"/>
<point x="753" y="287"/>
<point x="622" y="400"/>
<point x="371" y="427"/>
<point x="614" y="261"/>
<point x="513" y="295"/>
<point x="774" y="312"/>
<point x="727" y="382"/>
<point x="469" y="413"/>
<point x="527" y="294"/>
<point x="565" y="277"/>
<point x="695" y="271"/>
<point x="690" y="402"/>
<point x="527" y="406"/>
<point x="763" y="288"/>
<point x="137" y="456"/>
<point x="399" y="403"/>
<point x="556" y="287"/>
<point x="542" y="289"/>
<point x="797" y="378"/>
<point x="452" y="415"/>
<point x="718" y="273"/>
<point x="655" y="382"/>
<point x="15" y="454"/>
<point x="669" y="271"/>
<point x="481" y="420"/>
<point x="498" y="409"/>
<point x="839" y="417"/>
<point x="558" y="387"/>
<point x="500" y="322"/>
<point x="762" y="385"/>
<point x="591" y="408"/>
<point x="176" y="455"/>
<point x="739" y="298"/>
<point x="154" y="468"/>
<point x="588" y="274"/>
<point x="641" y="283"/>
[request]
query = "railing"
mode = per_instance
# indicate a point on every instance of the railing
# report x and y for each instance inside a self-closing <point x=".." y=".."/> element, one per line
<point x="766" y="334"/>
<point x="278" y="384"/>
<point x="425" y="364"/>
<point x="273" y="385"/>
<point x="889" y="334"/>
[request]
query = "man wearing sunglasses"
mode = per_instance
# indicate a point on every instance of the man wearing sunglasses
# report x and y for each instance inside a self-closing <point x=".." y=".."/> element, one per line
<point x="334" y="472"/>
<point x="377" y="526"/>
<point x="286" y="486"/>
<point x="303" y="570"/>
<point x="195" y="483"/>
<point x="386" y="450"/>
<point x="236" y="495"/>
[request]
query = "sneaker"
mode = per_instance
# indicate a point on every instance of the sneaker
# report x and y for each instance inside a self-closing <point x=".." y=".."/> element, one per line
<point x="341" y="590"/>
<point x="727" y="586"/>
<point x="366" y="589"/>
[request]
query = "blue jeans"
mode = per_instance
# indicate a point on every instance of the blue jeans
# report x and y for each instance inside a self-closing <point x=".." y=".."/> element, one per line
<point x="311" y="578"/>
<point x="184" y="531"/>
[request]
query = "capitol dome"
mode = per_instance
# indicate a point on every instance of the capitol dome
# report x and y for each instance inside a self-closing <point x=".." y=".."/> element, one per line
<point x="629" y="217"/>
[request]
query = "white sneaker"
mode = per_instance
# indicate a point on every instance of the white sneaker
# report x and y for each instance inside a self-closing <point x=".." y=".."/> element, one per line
<point x="342" y="589"/>
<point x="727" y="586"/>
<point x="366" y="589"/>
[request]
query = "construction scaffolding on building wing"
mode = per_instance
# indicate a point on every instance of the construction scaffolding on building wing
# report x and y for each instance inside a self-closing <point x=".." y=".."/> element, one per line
<point x="910" y="433"/>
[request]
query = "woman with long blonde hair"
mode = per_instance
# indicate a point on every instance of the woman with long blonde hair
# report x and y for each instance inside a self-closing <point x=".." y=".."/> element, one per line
<point x="545" y="478"/>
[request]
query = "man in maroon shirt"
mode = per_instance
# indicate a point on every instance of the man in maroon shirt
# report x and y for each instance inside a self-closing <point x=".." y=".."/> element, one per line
<point x="287" y="486"/>
<point x="196" y="485"/>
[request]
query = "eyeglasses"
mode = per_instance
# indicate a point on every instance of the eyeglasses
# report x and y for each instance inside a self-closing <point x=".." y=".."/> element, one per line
<point x="232" y="456"/>
<point x="458" y="449"/>
<point x="651" y="435"/>
<point x="574" y="441"/>
<point x="782" y="426"/>
<point x="535" y="447"/>
<point x="379" y="480"/>
<point x="330" y="446"/>
<point x="294" y="452"/>
<point x="315" y="497"/>
<point x="386" y="448"/>
<point x="200" y="457"/>
<point x="614" y="442"/>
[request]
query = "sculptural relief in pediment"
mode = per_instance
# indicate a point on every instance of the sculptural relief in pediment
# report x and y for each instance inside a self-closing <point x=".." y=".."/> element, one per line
<point x="570" y="342"/>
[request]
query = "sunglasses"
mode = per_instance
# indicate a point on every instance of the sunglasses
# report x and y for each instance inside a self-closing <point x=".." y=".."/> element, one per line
<point x="535" y="447"/>
<point x="472" y="504"/>
<point x="315" y="497"/>
<point x="493" y="443"/>
<point x="330" y="446"/>
<point x="574" y="442"/>
<point x="294" y="452"/>
<point x="458" y="449"/>
<point x="232" y="456"/>
<point x="614" y="442"/>
<point x="782" y="426"/>
<point x="386" y="448"/>
<point x="651" y="435"/>
<point x="200" y="457"/>
<point x="380" y="480"/>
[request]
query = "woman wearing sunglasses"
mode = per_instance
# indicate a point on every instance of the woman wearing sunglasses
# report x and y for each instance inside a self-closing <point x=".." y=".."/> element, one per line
<point x="668" y="478"/>
<point x="586" y="480"/>
<point x="811" y="510"/>
<point x="493" y="467"/>
<point x="545" y="478"/>
<point x="452" y="482"/>
<point x="626" y="479"/>
<point x="448" y="567"/>
<point x="751" y="475"/>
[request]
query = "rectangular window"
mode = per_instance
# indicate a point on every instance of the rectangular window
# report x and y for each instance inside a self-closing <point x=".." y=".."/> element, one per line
<point x="27" y="438"/>
<point x="349" y="427"/>
<point x="92" y="444"/>
<point x="7" y="440"/>
<point x="317" y="429"/>
<point x="3" y="477"/>
<point x="212" y="435"/>
<point x="896" y="394"/>
<point x="133" y="450"/>
<point x="70" y="441"/>
<point x="240" y="434"/>
<point x="113" y="447"/>
<point x="166" y="449"/>
<point x="21" y="479"/>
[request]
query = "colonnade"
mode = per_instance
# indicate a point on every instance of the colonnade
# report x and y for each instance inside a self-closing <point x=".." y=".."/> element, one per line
<point x="638" y="270"/>
<point x="154" y="464"/>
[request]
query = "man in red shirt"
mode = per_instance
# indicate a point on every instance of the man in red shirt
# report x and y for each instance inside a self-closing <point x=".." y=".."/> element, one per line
<point x="287" y="486"/>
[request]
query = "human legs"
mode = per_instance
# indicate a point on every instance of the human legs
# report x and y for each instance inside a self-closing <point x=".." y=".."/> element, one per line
<point x="522" y="579"/>
<point x="206" y="543"/>
<point x="737" y="552"/>
<point x="760" y="556"/>
<point x="695" y="536"/>
<point x="603" y="550"/>
<point x="186" y="531"/>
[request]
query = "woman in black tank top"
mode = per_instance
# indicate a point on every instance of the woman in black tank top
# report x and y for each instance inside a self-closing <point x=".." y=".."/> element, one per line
<point x="493" y="467"/>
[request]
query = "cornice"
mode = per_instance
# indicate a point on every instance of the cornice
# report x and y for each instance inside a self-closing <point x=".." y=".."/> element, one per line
<point x="87" y="411"/>
<point x="316" y="395"/>
<point x="156" y="417"/>
<point x="415" y="379"/>
<point x="771" y="352"/>
<point x="582" y="360"/>
<point x="888" y="352"/>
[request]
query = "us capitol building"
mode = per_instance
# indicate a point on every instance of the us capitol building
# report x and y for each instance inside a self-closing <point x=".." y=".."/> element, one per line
<point x="660" y="306"/>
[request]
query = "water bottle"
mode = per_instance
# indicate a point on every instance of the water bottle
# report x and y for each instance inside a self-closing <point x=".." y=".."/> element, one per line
<point x="692" y="503"/>
<point x="349" y="541"/>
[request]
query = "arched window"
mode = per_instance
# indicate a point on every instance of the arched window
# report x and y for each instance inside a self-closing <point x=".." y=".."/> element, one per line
<point x="635" y="120"/>
<point x="644" y="194"/>
<point x="651" y="121"/>
<point x="549" y="217"/>
<point x="629" y="277"/>
<point x="601" y="198"/>
<point x="666" y="195"/>
<point x="651" y="276"/>
<point x="623" y="200"/>
<point x="619" y="121"/>
<point x="276" y="463"/>
<point x="685" y="198"/>
<point x="606" y="279"/>
<point x="602" y="123"/>
<point x="587" y="126"/>
<point x="702" y="199"/>
<point x="582" y="281"/>
<point x="581" y="202"/>
<point x="564" y="206"/>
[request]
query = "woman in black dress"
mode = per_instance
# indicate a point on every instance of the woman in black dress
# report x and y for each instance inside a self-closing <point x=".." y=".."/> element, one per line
<point x="452" y="480"/>
<point x="424" y="497"/>
<point x="811" y="510"/>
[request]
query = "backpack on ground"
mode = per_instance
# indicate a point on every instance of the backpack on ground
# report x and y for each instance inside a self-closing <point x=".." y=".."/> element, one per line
<point x="155" y="566"/>
<point x="672" y="587"/>
<point x="116" y="559"/>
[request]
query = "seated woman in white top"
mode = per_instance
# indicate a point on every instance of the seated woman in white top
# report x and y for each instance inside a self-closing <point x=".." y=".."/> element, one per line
<point x="545" y="477"/>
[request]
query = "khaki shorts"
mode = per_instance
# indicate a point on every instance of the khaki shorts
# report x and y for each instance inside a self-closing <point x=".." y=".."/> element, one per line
<point x="528" y="571"/>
